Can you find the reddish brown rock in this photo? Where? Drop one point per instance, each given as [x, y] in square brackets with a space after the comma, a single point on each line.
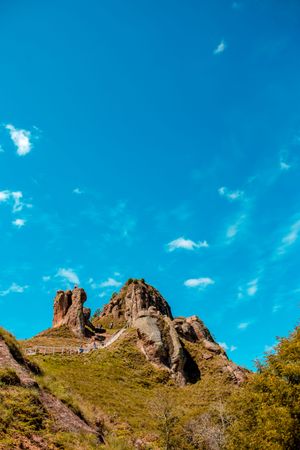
[163, 339]
[68, 310]
[134, 298]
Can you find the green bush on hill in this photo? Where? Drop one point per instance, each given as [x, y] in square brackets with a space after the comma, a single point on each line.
[265, 413]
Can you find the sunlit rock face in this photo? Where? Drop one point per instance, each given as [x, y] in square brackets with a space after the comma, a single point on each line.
[162, 338]
[69, 310]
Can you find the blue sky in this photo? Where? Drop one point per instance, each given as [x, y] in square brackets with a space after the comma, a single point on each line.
[157, 140]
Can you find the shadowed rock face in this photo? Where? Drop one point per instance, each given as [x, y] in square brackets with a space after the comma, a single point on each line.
[161, 338]
[69, 310]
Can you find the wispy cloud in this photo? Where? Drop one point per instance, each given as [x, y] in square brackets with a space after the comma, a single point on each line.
[230, 195]
[226, 347]
[13, 288]
[276, 308]
[252, 287]
[78, 191]
[46, 278]
[199, 282]
[21, 138]
[289, 239]
[110, 282]
[68, 275]
[19, 223]
[15, 199]
[249, 290]
[186, 244]
[284, 165]
[221, 47]
[233, 229]
[243, 325]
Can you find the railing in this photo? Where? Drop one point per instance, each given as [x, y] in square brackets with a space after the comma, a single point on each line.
[44, 350]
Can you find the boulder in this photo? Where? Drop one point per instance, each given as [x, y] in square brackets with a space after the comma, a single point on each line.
[161, 345]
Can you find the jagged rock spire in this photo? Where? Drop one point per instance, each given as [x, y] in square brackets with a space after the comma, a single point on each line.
[69, 310]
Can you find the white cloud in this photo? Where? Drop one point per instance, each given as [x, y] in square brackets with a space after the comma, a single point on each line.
[243, 325]
[199, 282]
[233, 229]
[68, 274]
[226, 347]
[15, 199]
[15, 288]
[1, 149]
[4, 196]
[186, 244]
[223, 345]
[290, 238]
[252, 287]
[220, 48]
[284, 165]
[249, 290]
[19, 223]
[276, 308]
[110, 282]
[46, 278]
[21, 139]
[230, 195]
[17, 202]
[77, 191]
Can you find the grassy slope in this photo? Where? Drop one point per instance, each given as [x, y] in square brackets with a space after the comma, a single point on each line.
[56, 337]
[119, 385]
[24, 423]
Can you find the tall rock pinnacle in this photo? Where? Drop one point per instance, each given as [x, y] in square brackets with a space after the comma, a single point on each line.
[69, 310]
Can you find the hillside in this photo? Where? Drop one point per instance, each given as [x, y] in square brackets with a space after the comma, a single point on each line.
[124, 386]
[136, 378]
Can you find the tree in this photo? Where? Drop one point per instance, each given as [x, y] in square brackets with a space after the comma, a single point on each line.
[266, 411]
[164, 411]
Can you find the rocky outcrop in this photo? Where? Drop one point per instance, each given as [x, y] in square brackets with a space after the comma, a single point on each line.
[135, 298]
[162, 338]
[192, 329]
[69, 310]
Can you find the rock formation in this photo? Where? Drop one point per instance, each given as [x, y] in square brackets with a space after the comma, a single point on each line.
[162, 338]
[69, 311]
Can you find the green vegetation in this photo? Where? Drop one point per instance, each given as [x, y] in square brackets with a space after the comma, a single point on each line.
[8, 377]
[265, 413]
[16, 351]
[119, 388]
[54, 337]
[134, 403]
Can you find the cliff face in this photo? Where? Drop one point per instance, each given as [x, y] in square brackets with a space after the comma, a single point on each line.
[163, 340]
[161, 337]
[69, 311]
